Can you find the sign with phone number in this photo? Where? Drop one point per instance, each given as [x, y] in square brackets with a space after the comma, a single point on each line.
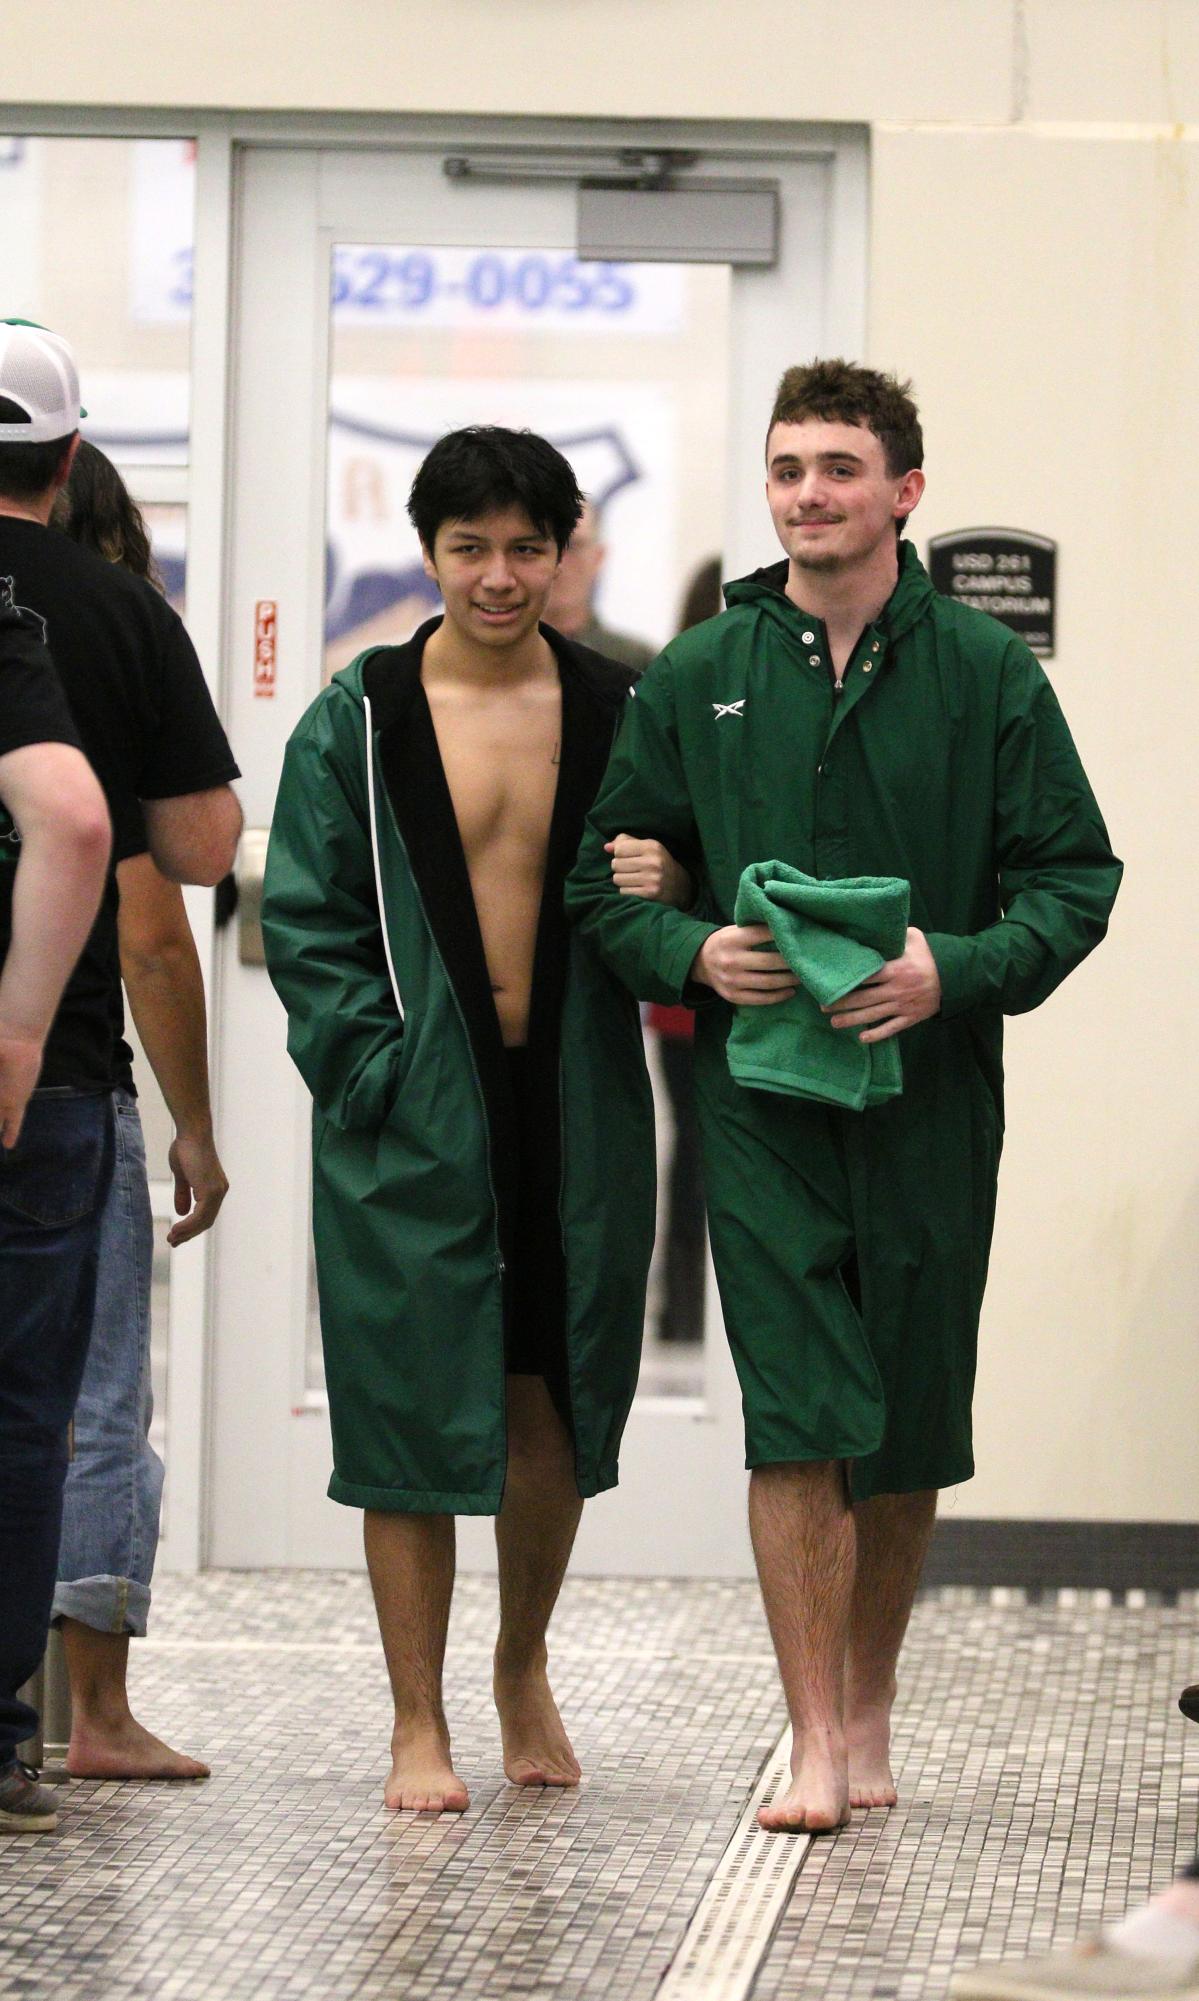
[407, 285]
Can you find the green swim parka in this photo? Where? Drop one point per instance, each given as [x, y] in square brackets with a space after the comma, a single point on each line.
[944, 760]
[373, 946]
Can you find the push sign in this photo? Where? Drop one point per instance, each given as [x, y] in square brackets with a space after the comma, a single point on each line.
[1005, 572]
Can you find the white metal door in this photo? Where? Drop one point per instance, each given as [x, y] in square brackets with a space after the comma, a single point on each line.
[304, 217]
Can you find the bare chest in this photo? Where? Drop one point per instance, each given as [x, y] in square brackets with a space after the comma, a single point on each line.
[500, 759]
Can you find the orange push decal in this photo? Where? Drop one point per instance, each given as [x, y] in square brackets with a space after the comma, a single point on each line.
[265, 633]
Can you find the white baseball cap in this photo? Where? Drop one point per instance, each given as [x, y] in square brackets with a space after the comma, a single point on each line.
[39, 385]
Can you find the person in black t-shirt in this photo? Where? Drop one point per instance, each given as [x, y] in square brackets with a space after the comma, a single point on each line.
[112, 1499]
[54, 1167]
[53, 820]
[130, 673]
[135, 689]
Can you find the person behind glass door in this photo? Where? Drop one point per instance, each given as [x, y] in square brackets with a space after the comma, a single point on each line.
[570, 608]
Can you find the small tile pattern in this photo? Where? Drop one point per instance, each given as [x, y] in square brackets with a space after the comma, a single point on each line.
[1047, 1781]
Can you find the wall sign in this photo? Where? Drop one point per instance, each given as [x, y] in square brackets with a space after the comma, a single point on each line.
[1004, 571]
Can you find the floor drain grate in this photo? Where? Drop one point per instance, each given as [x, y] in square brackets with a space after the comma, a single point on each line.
[735, 1919]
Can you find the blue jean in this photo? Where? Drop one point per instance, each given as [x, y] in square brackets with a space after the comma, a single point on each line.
[114, 1482]
[53, 1186]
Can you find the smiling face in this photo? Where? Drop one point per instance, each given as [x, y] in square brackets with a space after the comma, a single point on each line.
[833, 501]
[494, 575]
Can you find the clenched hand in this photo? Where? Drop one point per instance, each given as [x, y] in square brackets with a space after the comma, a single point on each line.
[740, 963]
[646, 868]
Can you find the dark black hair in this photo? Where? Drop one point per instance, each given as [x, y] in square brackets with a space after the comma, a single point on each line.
[485, 468]
[27, 470]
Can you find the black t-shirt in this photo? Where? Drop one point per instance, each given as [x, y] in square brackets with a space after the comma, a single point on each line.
[33, 710]
[147, 724]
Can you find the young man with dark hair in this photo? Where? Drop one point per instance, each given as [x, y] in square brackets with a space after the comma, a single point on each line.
[482, 1122]
[842, 721]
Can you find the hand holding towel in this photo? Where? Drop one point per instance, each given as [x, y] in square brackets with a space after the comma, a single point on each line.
[833, 936]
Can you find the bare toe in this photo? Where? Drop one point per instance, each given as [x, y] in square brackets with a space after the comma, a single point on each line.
[422, 1779]
[537, 1750]
[817, 1799]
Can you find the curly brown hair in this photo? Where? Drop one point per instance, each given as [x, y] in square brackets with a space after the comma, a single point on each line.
[842, 392]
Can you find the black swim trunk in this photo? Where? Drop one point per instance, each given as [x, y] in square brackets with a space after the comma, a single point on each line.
[531, 1231]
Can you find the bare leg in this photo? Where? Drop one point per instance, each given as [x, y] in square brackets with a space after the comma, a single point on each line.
[411, 1562]
[893, 1537]
[803, 1535]
[534, 1534]
[107, 1741]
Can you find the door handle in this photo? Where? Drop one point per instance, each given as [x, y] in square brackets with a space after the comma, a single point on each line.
[248, 872]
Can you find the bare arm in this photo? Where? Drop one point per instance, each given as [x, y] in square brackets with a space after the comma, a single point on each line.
[161, 971]
[55, 800]
[194, 838]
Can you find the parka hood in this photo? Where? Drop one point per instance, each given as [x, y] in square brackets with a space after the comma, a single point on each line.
[906, 605]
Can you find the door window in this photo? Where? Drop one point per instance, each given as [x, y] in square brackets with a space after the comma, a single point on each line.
[624, 368]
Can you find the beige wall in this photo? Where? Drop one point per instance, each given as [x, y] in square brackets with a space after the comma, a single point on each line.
[1043, 289]
[955, 61]
[620, 58]
[1034, 265]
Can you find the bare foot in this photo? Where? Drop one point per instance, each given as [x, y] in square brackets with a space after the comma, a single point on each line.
[817, 1800]
[126, 1750]
[423, 1779]
[537, 1750]
[868, 1735]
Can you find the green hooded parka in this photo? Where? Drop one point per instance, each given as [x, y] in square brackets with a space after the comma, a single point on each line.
[851, 1246]
[373, 945]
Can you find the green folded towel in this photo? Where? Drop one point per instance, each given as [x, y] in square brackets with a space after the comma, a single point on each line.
[833, 936]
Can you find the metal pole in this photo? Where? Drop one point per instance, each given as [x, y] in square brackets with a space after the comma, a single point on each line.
[56, 1703]
[49, 1692]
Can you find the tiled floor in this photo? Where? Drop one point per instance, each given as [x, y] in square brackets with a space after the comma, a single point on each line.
[1047, 1781]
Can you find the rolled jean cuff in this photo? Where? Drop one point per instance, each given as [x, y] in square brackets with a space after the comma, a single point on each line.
[107, 1604]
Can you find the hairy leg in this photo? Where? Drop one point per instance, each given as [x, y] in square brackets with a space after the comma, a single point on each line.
[893, 1535]
[803, 1536]
[534, 1534]
[411, 1564]
[107, 1741]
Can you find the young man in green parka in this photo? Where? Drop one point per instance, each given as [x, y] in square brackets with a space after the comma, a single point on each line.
[842, 718]
[483, 1163]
